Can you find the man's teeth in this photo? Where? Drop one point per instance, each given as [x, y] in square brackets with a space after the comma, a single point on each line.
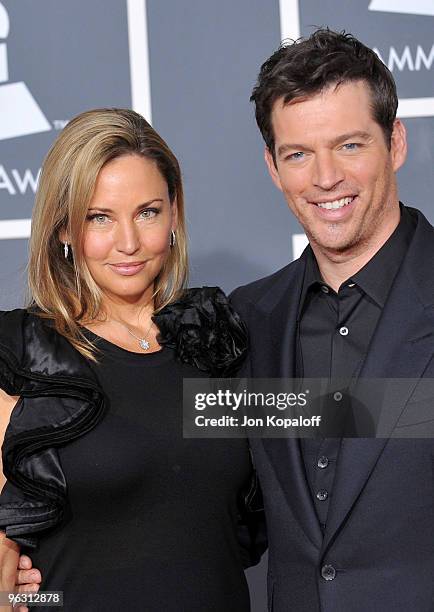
[335, 204]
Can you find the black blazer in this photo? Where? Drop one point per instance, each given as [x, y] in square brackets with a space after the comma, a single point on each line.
[377, 553]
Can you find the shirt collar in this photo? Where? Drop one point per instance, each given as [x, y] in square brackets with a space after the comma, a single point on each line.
[312, 275]
[376, 277]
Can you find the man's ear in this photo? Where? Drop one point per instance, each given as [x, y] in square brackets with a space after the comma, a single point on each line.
[398, 144]
[272, 168]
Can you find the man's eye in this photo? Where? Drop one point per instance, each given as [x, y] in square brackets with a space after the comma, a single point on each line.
[296, 156]
[351, 146]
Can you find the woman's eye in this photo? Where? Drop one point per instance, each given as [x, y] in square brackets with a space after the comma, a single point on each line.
[148, 213]
[98, 219]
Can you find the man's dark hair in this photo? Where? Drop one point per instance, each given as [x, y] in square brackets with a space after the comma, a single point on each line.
[306, 67]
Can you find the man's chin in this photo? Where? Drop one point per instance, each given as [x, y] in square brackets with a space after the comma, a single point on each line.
[336, 246]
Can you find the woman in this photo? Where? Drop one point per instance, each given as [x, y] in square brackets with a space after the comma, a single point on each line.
[124, 512]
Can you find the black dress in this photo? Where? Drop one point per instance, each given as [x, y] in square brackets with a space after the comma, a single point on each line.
[131, 515]
[152, 516]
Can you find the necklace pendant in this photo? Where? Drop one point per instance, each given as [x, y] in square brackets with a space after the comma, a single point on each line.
[144, 344]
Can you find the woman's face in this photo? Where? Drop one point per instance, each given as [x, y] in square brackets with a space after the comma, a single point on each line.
[127, 231]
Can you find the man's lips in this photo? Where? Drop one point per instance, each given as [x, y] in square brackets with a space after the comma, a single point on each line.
[127, 268]
[333, 203]
[335, 209]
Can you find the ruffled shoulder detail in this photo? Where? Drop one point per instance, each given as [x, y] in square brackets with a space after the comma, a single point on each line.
[205, 331]
[60, 400]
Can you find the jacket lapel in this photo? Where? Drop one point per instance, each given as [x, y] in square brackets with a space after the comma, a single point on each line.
[273, 347]
[285, 457]
[402, 347]
[273, 332]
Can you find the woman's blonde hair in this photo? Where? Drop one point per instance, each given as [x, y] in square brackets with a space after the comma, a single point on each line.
[60, 288]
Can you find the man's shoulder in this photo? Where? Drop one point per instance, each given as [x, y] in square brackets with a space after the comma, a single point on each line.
[421, 249]
[423, 224]
[417, 266]
[254, 291]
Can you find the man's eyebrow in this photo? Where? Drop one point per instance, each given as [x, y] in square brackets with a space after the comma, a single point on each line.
[139, 207]
[350, 136]
[294, 146]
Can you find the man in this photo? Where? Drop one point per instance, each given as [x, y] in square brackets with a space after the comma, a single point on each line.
[350, 521]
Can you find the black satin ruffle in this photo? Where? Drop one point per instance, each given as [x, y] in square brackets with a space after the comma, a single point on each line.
[60, 400]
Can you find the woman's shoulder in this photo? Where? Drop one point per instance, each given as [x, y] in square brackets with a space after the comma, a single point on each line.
[12, 324]
[204, 330]
[32, 349]
[16, 326]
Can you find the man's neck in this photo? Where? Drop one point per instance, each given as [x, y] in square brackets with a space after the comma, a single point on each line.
[336, 268]
[334, 273]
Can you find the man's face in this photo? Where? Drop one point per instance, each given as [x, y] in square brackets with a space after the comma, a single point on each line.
[335, 169]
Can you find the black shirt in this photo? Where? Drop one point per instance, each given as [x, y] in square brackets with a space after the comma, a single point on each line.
[334, 333]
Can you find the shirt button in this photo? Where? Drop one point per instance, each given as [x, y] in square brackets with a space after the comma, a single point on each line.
[343, 331]
[325, 289]
[323, 462]
[328, 572]
[351, 284]
[337, 396]
[322, 495]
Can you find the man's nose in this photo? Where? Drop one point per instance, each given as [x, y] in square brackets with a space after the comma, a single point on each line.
[327, 171]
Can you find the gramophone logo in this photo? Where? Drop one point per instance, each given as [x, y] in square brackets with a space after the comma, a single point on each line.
[20, 114]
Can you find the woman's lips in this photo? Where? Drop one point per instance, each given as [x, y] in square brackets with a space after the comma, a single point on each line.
[127, 269]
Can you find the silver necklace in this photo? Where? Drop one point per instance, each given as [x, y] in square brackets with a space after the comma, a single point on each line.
[144, 344]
